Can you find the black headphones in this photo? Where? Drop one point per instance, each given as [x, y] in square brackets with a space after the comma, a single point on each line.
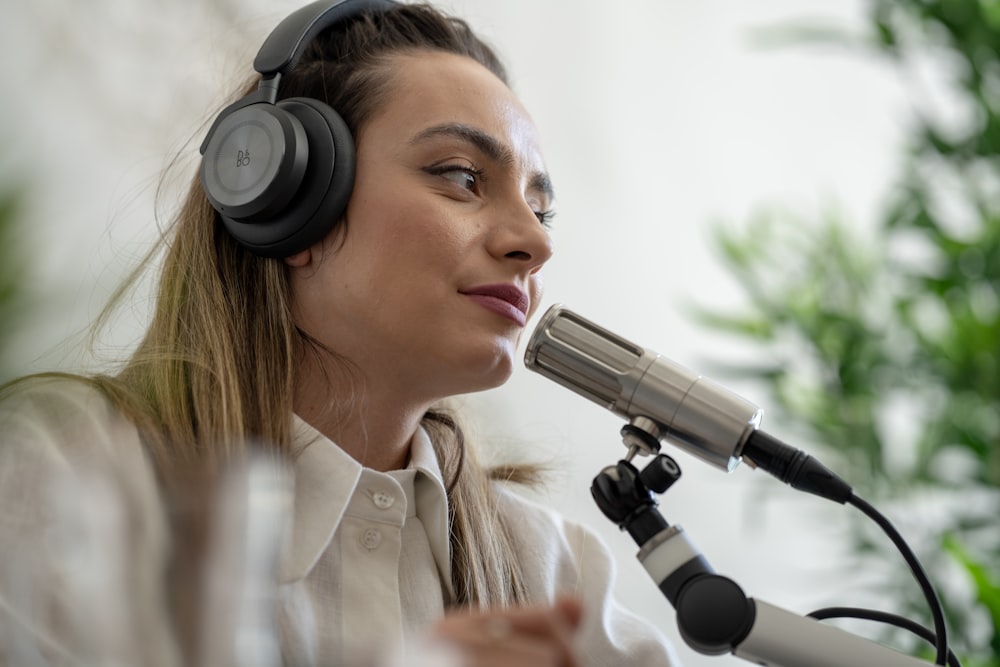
[280, 173]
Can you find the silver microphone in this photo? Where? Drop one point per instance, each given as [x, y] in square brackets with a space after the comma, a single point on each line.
[664, 398]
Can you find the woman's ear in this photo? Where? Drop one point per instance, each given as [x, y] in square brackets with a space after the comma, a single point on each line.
[299, 259]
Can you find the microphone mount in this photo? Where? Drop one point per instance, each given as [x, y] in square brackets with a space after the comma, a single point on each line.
[714, 615]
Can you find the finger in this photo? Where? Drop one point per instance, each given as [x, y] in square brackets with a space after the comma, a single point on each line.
[554, 625]
[561, 619]
[540, 634]
[521, 650]
[572, 610]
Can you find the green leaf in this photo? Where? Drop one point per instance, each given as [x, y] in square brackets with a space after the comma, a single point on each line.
[984, 582]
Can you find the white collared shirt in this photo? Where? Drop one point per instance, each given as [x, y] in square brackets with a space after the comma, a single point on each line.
[364, 573]
[368, 556]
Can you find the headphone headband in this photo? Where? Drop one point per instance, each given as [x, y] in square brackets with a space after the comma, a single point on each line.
[283, 47]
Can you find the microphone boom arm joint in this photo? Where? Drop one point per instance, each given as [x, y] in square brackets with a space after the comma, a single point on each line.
[714, 615]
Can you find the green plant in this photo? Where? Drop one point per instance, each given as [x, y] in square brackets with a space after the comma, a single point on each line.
[884, 345]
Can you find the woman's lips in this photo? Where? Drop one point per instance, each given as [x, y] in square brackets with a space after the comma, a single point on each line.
[506, 300]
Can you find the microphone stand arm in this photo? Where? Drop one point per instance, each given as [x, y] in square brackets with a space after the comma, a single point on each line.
[714, 616]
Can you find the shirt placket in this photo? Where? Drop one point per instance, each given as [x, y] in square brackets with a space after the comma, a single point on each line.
[371, 545]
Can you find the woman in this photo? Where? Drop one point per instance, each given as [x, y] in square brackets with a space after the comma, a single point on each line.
[336, 356]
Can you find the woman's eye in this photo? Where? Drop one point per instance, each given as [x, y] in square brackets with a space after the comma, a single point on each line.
[465, 177]
[545, 217]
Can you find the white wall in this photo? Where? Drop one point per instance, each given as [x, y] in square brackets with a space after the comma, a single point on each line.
[659, 118]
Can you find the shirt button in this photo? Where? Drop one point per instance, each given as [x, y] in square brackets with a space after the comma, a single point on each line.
[371, 538]
[383, 500]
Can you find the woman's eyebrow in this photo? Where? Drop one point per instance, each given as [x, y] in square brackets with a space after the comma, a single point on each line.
[488, 145]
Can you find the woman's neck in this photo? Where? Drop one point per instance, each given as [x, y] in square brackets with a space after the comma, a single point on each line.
[375, 428]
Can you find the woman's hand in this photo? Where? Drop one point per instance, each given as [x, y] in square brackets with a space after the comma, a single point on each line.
[522, 637]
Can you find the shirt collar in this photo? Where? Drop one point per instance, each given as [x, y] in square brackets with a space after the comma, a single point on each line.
[432, 503]
[325, 479]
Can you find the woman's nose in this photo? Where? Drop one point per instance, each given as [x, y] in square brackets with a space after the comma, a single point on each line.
[523, 238]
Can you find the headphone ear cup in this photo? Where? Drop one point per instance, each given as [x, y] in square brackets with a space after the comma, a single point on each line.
[317, 199]
[253, 161]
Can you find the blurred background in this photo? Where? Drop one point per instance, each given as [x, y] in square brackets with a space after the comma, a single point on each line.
[797, 198]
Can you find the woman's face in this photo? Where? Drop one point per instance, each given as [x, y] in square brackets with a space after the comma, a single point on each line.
[439, 269]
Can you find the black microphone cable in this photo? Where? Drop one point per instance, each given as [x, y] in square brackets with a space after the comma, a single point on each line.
[805, 473]
[884, 617]
[939, 636]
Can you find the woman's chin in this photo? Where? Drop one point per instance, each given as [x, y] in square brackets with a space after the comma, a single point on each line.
[492, 374]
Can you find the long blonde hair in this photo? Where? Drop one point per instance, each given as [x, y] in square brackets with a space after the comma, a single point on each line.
[214, 370]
